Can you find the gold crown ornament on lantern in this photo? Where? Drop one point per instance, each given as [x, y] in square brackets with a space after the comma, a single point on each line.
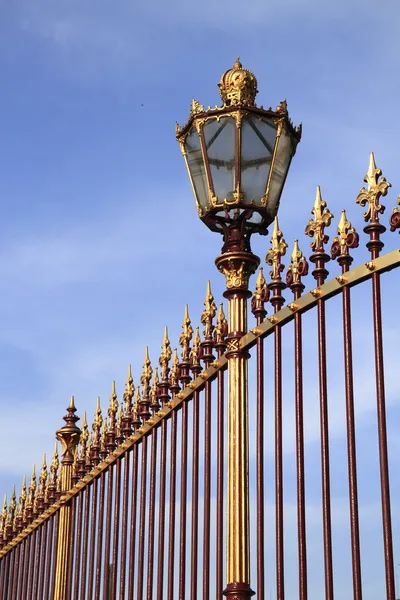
[238, 86]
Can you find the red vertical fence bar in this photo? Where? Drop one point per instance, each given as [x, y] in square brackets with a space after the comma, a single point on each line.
[276, 286]
[348, 238]
[298, 269]
[378, 187]
[316, 229]
[260, 296]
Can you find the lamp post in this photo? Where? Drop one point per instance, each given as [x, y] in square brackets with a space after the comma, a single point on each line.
[237, 156]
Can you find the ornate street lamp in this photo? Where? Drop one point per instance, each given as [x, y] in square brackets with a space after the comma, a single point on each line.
[238, 156]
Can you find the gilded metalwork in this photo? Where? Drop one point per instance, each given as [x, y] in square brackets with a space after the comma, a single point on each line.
[377, 187]
[97, 422]
[395, 217]
[155, 406]
[347, 238]
[129, 392]
[316, 227]
[221, 328]
[186, 336]
[43, 477]
[274, 254]
[165, 356]
[237, 268]
[196, 351]
[298, 267]
[238, 86]
[112, 407]
[208, 313]
[174, 374]
[147, 374]
[136, 422]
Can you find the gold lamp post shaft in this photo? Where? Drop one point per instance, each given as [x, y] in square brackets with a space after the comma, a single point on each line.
[237, 268]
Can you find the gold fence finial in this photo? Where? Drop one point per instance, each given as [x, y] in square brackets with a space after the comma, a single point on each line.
[129, 392]
[186, 335]
[146, 374]
[154, 405]
[347, 238]
[55, 463]
[298, 267]
[113, 407]
[174, 375]
[165, 355]
[395, 216]
[316, 226]
[136, 422]
[98, 417]
[274, 254]
[43, 475]
[221, 328]
[195, 354]
[377, 187]
[208, 313]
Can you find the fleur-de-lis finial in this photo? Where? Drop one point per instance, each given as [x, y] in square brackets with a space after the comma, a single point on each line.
[155, 406]
[316, 227]
[298, 267]
[165, 355]
[135, 410]
[13, 503]
[221, 328]
[274, 254]
[395, 217]
[88, 457]
[347, 238]
[55, 463]
[98, 421]
[113, 407]
[186, 335]
[208, 313]
[146, 374]
[4, 511]
[32, 487]
[174, 375]
[84, 436]
[260, 295]
[195, 354]
[129, 392]
[43, 475]
[377, 187]
[23, 495]
[103, 439]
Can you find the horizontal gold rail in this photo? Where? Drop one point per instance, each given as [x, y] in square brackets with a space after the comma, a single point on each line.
[333, 287]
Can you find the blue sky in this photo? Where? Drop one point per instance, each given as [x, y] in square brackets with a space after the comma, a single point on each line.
[100, 242]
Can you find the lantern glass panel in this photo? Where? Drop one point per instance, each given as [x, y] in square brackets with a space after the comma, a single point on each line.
[258, 141]
[280, 169]
[196, 167]
[219, 137]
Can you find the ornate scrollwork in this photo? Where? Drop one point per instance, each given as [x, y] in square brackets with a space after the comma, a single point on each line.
[274, 254]
[165, 356]
[221, 328]
[298, 267]
[316, 227]
[208, 313]
[377, 187]
[395, 217]
[347, 238]
[186, 335]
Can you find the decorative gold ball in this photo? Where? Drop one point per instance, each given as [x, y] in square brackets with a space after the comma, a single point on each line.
[238, 86]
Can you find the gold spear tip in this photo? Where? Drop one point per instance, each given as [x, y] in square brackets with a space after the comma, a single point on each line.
[113, 387]
[129, 371]
[98, 403]
[84, 422]
[33, 471]
[44, 460]
[186, 315]
[342, 222]
[5, 501]
[72, 402]
[318, 199]
[208, 288]
[24, 481]
[146, 353]
[295, 250]
[13, 492]
[260, 280]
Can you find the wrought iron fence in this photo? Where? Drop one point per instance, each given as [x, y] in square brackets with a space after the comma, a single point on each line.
[137, 507]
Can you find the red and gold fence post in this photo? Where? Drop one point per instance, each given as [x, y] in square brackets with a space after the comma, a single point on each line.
[69, 438]
[237, 265]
